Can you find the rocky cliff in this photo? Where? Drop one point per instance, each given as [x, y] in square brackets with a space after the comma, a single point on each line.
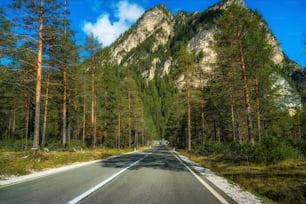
[151, 44]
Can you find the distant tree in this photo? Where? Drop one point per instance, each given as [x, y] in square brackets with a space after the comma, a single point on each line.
[92, 46]
[187, 65]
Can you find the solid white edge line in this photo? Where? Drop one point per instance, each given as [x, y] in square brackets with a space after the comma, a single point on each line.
[206, 185]
[103, 183]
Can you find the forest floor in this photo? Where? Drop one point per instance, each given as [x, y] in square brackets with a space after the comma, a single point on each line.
[283, 182]
[19, 163]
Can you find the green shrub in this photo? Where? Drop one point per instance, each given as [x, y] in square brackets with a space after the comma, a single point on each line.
[271, 151]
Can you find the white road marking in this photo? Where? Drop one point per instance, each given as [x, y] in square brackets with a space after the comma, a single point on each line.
[206, 185]
[103, 183]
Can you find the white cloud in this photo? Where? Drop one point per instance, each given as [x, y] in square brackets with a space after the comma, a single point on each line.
[107, 31]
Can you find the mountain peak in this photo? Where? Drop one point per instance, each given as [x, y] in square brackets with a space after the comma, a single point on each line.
[238, 2]
[223, 4]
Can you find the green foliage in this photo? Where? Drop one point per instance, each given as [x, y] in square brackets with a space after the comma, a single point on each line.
[271, 151]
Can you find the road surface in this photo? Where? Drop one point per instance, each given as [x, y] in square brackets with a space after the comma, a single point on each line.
[152, 176]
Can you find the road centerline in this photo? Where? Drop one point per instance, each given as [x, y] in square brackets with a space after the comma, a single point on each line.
[103, 183]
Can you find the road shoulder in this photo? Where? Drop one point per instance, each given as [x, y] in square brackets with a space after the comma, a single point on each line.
[231, 191]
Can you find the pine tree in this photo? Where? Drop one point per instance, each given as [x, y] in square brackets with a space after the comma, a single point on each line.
[92, 47]
[188, 65]
[34, 30]
[238, 42]
[7, 38]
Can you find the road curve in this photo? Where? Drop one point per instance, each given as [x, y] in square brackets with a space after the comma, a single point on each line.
[152, 176]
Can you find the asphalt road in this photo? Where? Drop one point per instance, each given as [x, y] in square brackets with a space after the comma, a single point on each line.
[152, 176]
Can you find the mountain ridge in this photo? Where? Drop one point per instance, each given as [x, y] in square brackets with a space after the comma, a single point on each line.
[152, 41]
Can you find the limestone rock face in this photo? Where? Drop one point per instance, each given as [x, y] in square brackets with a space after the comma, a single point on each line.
[152, 43]
[157, 19]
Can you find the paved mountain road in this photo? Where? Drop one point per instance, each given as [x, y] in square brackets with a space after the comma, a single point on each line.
[151, 176]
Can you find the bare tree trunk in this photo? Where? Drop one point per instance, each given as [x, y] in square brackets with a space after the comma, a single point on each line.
[142, 137]
[247, 98]
[119, 130]
[233, 118]
[203, 122]
[27, 121]
[9, 132]
[188, 111]
[93, 108]
[129, 113]
[64, 137]
[233, 123]
[84, 113]
[38, 81]
[14, 121]
[43, 139]
[258, 110]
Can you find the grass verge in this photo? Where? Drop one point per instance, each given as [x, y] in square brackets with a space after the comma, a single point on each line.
[22, 163]
[283, 182]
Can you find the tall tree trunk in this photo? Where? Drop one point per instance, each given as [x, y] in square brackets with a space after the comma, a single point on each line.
[233, 118]
[142, 137]
[27, 119]
[258, 110]
[119, 130]
[93, 108]
[84, 113]
[38, 80]
[43, 139]
[233, 122]
[203, 122]
[188, 111]
[129, 113]
[9, 132]
[247, 98]
[64, 137]
[14, 121]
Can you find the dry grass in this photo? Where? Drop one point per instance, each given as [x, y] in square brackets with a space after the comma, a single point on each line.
[284, 182]
[21, 163]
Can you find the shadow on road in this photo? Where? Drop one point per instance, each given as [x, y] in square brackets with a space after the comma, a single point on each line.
[161, 158]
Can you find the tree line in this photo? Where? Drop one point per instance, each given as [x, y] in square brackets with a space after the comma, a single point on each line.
[52, 97]
[237, 102]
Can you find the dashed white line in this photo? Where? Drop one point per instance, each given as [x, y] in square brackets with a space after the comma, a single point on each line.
[103, 183]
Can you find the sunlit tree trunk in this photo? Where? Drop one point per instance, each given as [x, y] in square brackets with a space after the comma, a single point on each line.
[64, 137]
[93, 108]
[84, 113]
[258, 110]
[247, 98]
[119, 130]
[187, 80]
[43, 139]
[27, 119]
[129, 113]
[203, 122]
[38, 80]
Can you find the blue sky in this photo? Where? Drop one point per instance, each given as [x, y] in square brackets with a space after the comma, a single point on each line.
[286, 18]
[109, 18]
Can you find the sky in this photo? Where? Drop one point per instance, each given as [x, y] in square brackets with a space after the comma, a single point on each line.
[107, 19]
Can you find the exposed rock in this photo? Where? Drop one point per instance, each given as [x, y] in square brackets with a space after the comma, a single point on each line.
[288, 97]
[162, 28]
[152, 21]
[166, 68]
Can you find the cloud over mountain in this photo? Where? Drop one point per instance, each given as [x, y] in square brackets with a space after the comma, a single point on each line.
[106, 30]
